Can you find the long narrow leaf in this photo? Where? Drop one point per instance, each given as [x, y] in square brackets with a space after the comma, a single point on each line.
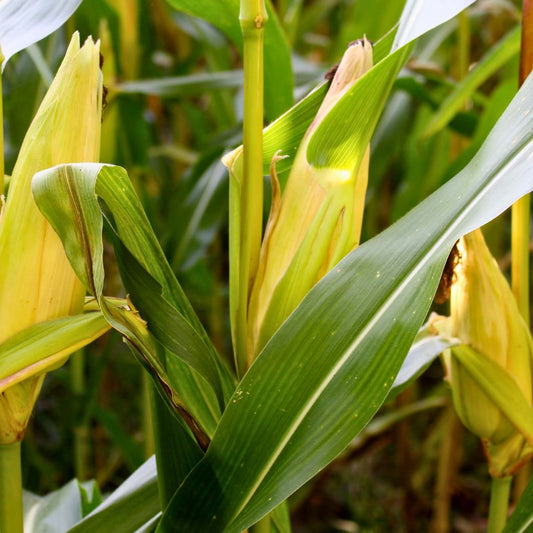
[425, 349]
[133, 504]
[58, 510]
[420, 16]
[521, 520]
[330, 366]
[497, 56]
[68, 195]
[24, 22]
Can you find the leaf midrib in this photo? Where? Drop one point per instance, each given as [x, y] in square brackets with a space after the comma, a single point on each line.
[479, 195]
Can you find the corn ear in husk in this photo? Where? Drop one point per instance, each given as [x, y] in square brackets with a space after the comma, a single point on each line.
[313, 224]
[37, 282]
[491, 383]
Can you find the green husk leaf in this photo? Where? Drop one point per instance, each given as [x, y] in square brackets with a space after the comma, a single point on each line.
[500, 387]
[341, 139]
[46, 346]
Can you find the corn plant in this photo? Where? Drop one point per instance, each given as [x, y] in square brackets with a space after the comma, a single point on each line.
[324, 329]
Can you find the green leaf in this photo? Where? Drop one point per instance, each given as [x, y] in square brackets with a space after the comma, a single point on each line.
[420, 16]
[497, 56]
[224, 15]
[198, 209]
[425, 349]
[192, 84]
[129, 507]
[342, 137]
[176, 351]
[500, 386]
[57, 511]
[281, 520]
[195, 84]
[24, 22]
[46, 346]
[130, 449]
[285, 133]
[176, 451]
[330, 366]
[521, 520]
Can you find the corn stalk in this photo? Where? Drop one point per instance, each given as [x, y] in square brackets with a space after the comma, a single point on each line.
[244, 261]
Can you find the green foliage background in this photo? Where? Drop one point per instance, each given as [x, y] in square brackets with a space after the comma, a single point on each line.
[174, 107]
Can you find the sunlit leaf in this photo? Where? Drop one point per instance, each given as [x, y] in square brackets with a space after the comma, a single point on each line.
[330, 366]
[129, 507]
[420, 16]
[24, 22]
[59, 510]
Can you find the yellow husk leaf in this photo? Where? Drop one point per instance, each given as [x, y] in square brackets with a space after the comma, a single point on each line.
[36, 280]
[484, 314]
[316, 222]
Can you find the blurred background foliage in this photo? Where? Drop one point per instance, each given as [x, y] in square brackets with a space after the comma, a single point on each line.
[173, 108]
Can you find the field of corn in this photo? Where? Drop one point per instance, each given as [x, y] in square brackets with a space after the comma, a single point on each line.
[264, 266]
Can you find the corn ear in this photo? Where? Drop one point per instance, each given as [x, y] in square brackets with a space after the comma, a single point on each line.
[313, 224]
[485, 316]
[37, 282]
[16, 405]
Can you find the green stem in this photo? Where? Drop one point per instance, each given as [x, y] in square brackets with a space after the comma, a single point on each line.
[521, 209]
[520, 214]
[10, 489]
[252, 18]
[263, 526]
[499, 502]
[520, 254]
[81, 427]
[147, 419]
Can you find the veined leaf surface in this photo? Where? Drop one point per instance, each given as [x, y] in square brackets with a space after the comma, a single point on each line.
[176, 349]
[327, 370]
